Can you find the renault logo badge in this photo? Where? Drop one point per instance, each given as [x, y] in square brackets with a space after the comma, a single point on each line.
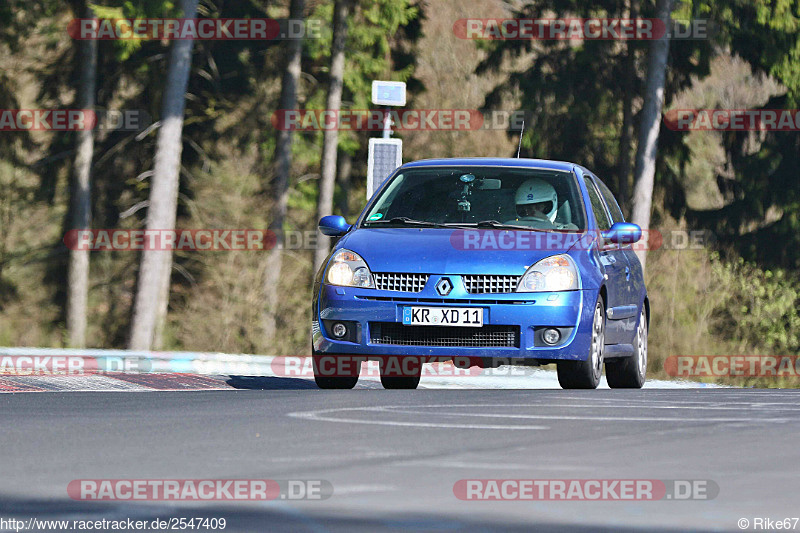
[444, 286]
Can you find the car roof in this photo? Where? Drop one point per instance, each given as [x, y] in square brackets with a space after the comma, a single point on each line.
[563, 166]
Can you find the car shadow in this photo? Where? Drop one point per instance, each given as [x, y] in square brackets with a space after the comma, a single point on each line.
[282, 383]
[269, 383]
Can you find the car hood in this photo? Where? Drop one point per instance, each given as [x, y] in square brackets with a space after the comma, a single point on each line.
[454, 251]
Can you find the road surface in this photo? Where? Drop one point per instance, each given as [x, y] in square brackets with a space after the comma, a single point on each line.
[394, 457]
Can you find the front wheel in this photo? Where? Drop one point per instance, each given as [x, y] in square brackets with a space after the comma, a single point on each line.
[630, 372]
[332, 372]
[586, 374]
[400, 372]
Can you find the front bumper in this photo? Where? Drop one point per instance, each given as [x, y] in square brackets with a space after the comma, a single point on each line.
[368, 308]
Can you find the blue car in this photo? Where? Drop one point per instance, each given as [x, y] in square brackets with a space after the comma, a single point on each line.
[488, 260]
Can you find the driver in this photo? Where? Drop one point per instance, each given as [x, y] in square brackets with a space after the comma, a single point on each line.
[537, 204]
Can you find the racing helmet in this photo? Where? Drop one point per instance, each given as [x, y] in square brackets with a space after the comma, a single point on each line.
[537, 191]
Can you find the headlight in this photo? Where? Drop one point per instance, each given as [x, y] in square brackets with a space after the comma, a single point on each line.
[347, 269]
[556, 273]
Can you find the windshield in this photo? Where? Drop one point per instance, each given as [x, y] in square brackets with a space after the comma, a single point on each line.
[515, 198]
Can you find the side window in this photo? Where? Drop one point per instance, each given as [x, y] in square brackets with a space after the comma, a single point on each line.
[598, 208]
[611, 202]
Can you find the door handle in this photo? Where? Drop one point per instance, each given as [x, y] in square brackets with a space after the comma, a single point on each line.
[627, 273]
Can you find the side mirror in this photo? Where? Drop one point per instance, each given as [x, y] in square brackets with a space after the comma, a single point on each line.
[333, 226]
[623, 233]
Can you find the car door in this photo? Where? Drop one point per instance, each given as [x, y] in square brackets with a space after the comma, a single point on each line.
[628, 315]
[617, 271]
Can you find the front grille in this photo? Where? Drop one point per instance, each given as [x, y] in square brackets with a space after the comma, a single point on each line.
[485, 284]
[446, 301]
[396, 281]
[487, 336]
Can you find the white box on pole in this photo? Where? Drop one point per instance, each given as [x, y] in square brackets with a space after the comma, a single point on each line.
[389, 93]
[385, 156]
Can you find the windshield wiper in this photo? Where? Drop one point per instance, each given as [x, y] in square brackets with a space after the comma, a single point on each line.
[493, 224]
[406, 221]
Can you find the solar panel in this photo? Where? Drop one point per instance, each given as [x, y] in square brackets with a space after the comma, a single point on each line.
[385, 155]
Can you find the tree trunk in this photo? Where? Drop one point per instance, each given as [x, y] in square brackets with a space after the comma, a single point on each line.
[330, 139]
[345, 167]
[626, 134]
[152, 291]
[647, 149]
[283, 164]
[78, 270]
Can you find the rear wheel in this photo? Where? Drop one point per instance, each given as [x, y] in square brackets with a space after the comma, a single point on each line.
[586, 374]
[400, 372]
[331, 372]
[630, 372]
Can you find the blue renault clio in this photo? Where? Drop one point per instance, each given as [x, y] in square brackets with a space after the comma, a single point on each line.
[485, 260]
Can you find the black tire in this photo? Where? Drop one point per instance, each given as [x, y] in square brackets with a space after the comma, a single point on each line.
[338, 381]
[586, 374]
[631, 372]
[400, 372]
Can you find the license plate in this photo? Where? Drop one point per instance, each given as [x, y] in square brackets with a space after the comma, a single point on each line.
[471, 317]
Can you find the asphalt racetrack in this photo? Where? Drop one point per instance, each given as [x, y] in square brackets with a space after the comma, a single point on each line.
[393, 458]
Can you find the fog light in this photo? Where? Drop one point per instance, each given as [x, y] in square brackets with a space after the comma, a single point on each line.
[551, 336]
[339, 330]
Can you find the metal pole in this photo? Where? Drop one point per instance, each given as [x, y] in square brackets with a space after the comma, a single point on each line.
[387, 123]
